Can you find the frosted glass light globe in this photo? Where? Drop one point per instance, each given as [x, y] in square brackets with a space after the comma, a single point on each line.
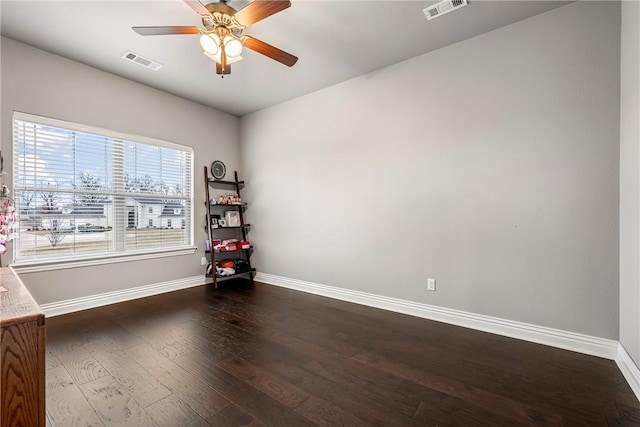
[232, 47]
[210, 43]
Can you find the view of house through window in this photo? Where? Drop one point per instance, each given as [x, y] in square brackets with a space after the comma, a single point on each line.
[85, 191]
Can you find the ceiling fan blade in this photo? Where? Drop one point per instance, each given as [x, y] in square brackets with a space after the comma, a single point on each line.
[270, 51]
[260, 9]
[163, 31]
[197, 6]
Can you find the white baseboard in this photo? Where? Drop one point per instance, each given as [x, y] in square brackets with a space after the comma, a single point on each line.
[586, 344]
[92, 301]
[629, 369]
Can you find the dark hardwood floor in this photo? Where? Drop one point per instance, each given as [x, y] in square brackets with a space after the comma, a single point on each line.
[262, 355]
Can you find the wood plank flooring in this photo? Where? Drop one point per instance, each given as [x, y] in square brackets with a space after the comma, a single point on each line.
[259, 355]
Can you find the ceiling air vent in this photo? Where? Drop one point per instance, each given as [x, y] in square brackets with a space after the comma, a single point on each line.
[141, 60]
[443, 7]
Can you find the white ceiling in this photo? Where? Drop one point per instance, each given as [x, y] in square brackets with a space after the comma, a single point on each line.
[334, 40]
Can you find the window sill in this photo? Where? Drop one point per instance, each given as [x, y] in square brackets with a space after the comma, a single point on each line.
[65, 263]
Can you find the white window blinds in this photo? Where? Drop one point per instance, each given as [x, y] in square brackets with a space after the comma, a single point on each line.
[88, 192]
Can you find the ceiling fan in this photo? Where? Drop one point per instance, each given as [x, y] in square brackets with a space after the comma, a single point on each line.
[222, 37]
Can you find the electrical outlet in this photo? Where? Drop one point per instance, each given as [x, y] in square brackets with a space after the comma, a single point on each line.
[431, 284]
[203, 261]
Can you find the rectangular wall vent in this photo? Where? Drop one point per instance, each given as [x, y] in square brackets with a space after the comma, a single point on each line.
[443, 7]
[141, 60]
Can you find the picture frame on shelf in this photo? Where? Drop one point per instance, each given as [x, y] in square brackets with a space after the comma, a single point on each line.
[215, 221]
[232, 218]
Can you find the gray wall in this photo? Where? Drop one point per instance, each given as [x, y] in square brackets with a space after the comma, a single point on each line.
[630, 180]
[491, 165]
[37, 82]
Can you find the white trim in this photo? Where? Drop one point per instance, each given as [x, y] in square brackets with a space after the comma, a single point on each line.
[64, 263]
[629, 369]
[539, 334]
[93, 301]
[47, 121]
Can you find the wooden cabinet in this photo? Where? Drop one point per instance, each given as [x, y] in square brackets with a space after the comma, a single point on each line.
[22, 355]
[237, 231]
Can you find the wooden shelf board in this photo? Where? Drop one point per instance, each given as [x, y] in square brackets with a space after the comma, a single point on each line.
[253, 270]
[223, 182]
[224, 252]
[231, 228]
[233, 205]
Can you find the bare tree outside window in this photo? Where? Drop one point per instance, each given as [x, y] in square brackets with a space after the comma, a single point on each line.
[57, 232]
[26, 199]
[90, 183]
[50, 212]
[51, 197]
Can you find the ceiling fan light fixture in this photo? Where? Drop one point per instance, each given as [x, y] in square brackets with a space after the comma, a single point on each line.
[218, 58]
[222, 39]
[210, 43]
[214, 57]
[232, 47]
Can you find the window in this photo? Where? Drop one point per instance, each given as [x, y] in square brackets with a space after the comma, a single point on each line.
[79, 191]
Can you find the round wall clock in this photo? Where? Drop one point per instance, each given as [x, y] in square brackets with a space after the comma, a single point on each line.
[218, 169]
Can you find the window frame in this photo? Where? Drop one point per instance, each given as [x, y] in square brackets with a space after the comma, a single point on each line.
[80, 260]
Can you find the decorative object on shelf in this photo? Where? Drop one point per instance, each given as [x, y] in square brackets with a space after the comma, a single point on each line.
[222, 223]
[226, 267]
[228, 199]
[241, 265]
[226, 271]
[218, 169]
[232, 218]
[227, 263]
[230, 245]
